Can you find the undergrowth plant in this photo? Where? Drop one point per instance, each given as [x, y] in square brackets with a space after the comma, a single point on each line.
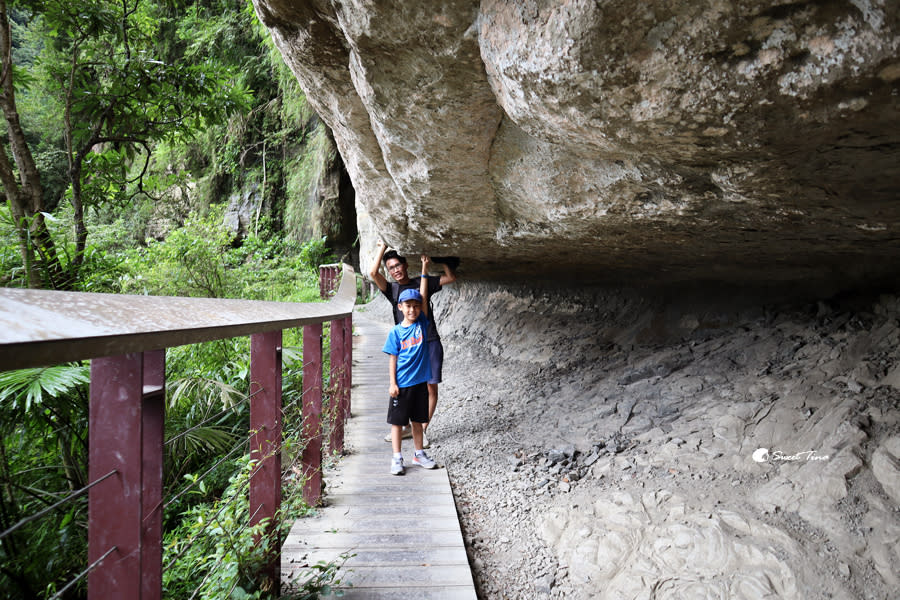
[215, 545]
[43, 460]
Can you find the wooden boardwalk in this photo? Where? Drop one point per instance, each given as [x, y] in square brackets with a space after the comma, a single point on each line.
[402, 530]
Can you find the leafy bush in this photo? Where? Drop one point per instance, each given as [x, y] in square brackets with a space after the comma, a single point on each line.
[43, 459]
[214, 545]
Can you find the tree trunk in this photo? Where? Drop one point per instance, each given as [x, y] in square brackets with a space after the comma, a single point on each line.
[78, 217]
[25, 194]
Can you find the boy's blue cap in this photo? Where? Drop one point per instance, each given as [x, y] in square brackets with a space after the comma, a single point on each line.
[410, 295]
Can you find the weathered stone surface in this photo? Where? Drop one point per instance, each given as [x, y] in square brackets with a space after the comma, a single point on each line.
[886, 467]
[739, 140]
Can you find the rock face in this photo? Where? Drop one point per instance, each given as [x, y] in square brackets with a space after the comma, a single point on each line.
[747, 140]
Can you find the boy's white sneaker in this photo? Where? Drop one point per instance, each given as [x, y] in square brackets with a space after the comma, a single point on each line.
[397, 466]
[424, 461]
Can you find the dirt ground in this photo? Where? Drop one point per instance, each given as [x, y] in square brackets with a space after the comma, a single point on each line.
[611, 444]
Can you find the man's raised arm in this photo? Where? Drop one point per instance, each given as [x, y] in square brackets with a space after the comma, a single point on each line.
[375, 272]
[449, 276]
[423, 284]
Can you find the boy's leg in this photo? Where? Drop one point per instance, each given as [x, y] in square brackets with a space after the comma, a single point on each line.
[397, 438]
[417, 435]
[407, 433]
[436, 360]
[419, 457]
[432, 402]
[418, 417]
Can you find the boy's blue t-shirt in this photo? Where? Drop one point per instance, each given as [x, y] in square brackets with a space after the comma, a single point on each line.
[409, 345]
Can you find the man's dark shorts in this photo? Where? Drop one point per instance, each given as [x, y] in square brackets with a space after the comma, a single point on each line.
[410, 405]
[436, 357]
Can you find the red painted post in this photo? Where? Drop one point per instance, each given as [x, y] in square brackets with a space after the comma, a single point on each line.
[312, 413]
[336, 387]
[153, 439]
[348, 364]
[265, 442]
[114, 505]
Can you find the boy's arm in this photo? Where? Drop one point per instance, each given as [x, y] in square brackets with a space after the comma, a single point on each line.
[375, 271]
[423, 284]
[394, 389]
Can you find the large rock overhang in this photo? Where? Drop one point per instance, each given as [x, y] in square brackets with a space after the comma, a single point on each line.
[741, 141]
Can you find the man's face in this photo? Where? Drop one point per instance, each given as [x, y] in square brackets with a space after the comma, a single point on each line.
[397, 269]
[411, 309]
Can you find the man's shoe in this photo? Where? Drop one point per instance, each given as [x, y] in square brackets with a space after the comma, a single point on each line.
[397, 466]
[423, 461]
[425, 442]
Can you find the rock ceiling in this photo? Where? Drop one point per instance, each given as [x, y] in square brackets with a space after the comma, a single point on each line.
[665, 140]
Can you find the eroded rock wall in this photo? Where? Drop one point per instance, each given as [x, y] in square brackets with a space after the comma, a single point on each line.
[750, 140]
[692, 448]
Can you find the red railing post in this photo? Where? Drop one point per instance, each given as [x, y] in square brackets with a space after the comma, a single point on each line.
[312, 413]
[153, 440]
[115, 504]
[336, 386]
[265, 442]
[348, 364]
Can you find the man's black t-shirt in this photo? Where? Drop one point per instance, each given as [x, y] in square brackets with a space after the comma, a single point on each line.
[394, 290]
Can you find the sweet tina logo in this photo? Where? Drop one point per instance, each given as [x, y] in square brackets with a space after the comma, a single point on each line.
[762, 455]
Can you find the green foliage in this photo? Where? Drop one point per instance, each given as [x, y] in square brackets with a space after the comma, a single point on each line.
[214, 545]
[188, 263]
[195, 103]
[12, 273]
[28, 387]
[200, 259]
[43, 458]
[302, 217]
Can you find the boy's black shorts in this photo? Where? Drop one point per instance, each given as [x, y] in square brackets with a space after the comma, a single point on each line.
[410, 405]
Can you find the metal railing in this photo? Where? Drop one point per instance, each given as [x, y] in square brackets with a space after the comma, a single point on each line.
[126, 339]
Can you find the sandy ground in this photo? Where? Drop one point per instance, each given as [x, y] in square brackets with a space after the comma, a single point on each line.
[616, 445]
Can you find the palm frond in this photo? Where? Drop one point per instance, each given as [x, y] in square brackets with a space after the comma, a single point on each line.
[195, 389]
[27, 387]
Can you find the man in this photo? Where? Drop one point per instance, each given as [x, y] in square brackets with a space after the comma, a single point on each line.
[397, 268]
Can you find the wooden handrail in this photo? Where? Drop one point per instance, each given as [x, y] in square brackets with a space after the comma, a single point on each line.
[126, 336]
[40, 327]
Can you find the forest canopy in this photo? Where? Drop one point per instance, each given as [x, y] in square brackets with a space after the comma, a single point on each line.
[153, 147]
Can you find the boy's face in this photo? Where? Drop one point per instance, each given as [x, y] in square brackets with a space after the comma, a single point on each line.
[397, 269]
[410, 310]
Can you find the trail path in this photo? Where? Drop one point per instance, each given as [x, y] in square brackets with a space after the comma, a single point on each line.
[402, 531]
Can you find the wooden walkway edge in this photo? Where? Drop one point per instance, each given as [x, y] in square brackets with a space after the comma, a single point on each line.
[402, 530]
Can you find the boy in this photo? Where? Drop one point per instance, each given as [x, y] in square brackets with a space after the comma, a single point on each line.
[410, 369]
